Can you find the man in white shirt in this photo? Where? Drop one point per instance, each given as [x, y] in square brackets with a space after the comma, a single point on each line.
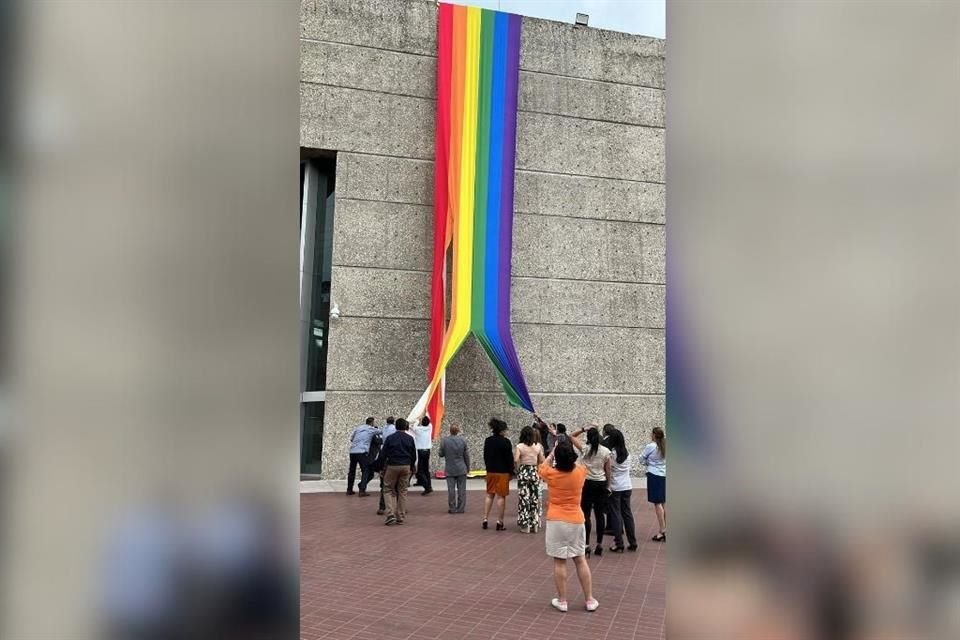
[423, 435]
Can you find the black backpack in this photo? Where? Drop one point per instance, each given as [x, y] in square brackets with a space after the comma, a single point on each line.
[376, 443]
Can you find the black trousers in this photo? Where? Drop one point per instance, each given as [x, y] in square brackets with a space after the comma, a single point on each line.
[423, 469]
[383, 503]
[622, 516]
[594, 499]
[363, 460]
[608, 529]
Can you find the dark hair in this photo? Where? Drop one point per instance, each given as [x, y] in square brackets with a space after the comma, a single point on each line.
[426, 421]
[661, 439]
[593, 439]
[618, 444]
[371, 420]
[608, 429]
[528, 436]
[402, 425]
[561, 428]
[497, 425]
[565, 456]
[391, 420]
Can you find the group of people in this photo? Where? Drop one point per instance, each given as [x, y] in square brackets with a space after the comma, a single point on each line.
[588, 483]
[582, 480]
[607, 490]
[397, 453]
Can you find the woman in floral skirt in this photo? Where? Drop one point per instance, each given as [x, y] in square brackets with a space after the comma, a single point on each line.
[527, 457]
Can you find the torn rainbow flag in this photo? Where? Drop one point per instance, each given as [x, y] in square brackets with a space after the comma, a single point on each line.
[478, 67]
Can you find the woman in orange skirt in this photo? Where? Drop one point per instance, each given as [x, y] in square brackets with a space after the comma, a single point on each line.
[498, 459]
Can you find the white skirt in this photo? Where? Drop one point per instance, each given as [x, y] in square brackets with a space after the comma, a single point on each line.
[565, 539]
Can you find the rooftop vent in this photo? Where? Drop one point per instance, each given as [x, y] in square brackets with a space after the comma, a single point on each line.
[582, 20]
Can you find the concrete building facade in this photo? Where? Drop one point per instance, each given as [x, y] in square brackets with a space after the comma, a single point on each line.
[588, 281]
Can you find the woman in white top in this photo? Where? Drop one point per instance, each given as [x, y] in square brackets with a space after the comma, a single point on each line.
[620, 513]
[596, 489]
[654, 456]
[527, 458]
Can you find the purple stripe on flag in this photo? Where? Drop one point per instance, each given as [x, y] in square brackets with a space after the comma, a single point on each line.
[506, 208]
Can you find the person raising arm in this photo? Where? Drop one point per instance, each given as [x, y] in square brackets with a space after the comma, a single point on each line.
[573, 438]
[596, 489]
[565, 533]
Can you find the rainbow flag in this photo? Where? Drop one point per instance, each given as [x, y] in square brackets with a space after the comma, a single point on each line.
[478, 68]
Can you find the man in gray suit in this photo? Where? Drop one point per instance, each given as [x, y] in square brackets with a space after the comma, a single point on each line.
[453, 449]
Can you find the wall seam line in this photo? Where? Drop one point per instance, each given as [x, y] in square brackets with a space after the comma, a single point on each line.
[514, 276]
[610, 394]
[512, 322]
[520, 169]
[522, 70]
[519, 110]
[517, 212]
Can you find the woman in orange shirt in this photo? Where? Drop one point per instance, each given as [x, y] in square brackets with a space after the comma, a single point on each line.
[566, 536]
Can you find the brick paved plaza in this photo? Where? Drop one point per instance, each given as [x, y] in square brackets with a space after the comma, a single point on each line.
[442, 576]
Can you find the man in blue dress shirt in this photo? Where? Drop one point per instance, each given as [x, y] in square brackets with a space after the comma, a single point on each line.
[360, 455]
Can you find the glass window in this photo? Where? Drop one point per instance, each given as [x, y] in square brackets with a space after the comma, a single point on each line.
[311, 443]
[317, 182]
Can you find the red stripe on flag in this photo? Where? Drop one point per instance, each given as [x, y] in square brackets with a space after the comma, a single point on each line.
[441, 213]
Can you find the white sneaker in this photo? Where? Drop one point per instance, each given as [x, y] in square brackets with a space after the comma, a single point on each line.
[592, 605]
[559, 605]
